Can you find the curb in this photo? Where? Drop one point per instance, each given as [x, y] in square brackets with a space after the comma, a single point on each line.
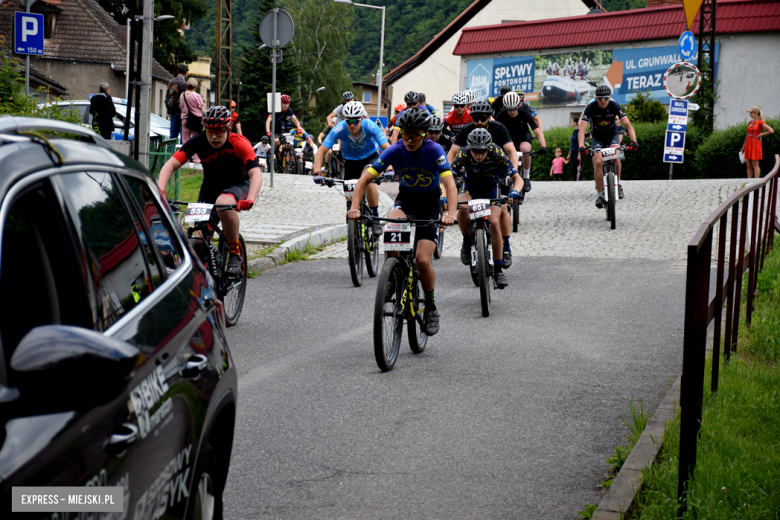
[620, 497]
[315, 238]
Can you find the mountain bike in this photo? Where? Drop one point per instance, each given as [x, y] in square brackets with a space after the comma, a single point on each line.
[609, 156]
[440, 244]
[231, 288]
[336, 166]
[287, 154]
[399, 292]
[482, 248]
[361, 242]
[514, 207]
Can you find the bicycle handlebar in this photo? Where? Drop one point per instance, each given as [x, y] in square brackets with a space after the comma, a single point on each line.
[217, 207]
[409, 220]
[502, 200]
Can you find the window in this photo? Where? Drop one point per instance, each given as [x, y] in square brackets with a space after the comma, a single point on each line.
[366, 97]
[48, 25]
[447, 108]
[110, 240]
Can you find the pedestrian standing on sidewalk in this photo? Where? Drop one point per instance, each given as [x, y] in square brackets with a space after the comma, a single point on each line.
[191, 106]
[574, 154]
[103, 110]
[752, 147]
[556, 170]
[176, 87]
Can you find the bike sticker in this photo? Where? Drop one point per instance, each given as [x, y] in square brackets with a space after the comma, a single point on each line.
[308, 165]
[473, 256]
[349, 186]
[198, 212]
[479, 208]
[399, 236]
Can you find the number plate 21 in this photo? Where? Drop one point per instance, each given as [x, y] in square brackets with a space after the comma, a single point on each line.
[399, 236]
[198, 212]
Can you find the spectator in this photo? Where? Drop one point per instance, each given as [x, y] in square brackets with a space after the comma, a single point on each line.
[556, 170]
[103, 110]
[176, 87]
[574, 147]
[236, 119]
[190, 105]
[752, 146]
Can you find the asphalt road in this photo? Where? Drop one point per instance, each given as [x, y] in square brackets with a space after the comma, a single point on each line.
[511, 416]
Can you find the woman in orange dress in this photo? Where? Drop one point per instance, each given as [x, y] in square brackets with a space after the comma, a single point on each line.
[752, 146]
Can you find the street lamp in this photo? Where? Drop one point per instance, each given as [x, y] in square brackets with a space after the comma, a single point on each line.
[381, 48]
[321, 88]
[238, 78]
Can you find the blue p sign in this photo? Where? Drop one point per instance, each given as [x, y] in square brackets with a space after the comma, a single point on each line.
[675, 140]
[28, 33]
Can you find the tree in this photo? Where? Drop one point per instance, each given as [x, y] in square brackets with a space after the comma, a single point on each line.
[170, 46]
[643, 108]
[321, 44]
[704, 118]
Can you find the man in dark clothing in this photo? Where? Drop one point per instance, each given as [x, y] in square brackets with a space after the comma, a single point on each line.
[176, 87]
[102, 109]
[574, 154]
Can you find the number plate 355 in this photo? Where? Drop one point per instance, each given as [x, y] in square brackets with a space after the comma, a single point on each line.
[399, 236]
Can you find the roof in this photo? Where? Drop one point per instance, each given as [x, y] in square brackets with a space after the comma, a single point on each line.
[364, 84]
[83, 33]
[456, 25]
[651, 23]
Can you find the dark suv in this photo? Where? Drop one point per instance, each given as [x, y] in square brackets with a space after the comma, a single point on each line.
[114, 367]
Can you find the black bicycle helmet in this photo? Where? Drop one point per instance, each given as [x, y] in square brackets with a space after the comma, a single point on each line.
[603, 90]
[421, 97]
[265, 139]
[411, 98]
[217, 117]
[481, 107]
[347, 96]
[479, 139]
[504, 89]
[435, 124]
[414, 118]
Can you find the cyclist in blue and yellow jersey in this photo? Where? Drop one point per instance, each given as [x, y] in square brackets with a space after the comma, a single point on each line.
[421, 166]
[421, 100]
[485, 168]
[359, 141]
[412, 100]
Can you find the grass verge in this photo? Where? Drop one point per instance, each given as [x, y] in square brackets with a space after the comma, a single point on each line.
[738, 457]
[189, 184]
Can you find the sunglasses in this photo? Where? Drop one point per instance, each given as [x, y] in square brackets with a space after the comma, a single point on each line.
[216, 131]
[603, 98]
[352, 121]
[459, 106]
[406, 136]
[479, 118]
[511, 109]
[431, 132]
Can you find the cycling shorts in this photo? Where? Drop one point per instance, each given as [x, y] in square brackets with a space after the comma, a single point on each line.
[604, 140]
[486, 191]
[524, 138]
[354, 169]
[423, 205]
[237, 191]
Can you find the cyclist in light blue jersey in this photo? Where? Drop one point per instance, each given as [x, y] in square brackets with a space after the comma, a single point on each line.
[360, 139]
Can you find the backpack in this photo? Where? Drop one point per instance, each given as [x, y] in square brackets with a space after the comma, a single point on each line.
[172, 96]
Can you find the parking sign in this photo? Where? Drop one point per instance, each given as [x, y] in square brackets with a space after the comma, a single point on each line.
[28, 33]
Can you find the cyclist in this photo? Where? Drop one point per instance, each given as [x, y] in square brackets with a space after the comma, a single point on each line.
[480, 115]
[283, 120]
[471, 98]
[604, 133]
[261, 150]
[412, 100]
[460, 116]
[236, 119]
[337, 115]
[359, 141]
[231, 173]
[421, 98]
[438, 134]
[485, 167]
[421, 166]
[524, 105]
[499, 102]
[517, 120]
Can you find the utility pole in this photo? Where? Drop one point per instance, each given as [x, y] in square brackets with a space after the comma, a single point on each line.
[224, 51]
[707, 53]
[142, 113]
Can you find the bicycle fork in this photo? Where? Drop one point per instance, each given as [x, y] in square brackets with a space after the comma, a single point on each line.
[408, 296]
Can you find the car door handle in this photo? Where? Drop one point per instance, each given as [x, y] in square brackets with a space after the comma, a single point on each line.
[122, 438]
[195, 365]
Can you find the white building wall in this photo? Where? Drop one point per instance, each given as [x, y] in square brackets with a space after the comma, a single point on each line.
[439, 76]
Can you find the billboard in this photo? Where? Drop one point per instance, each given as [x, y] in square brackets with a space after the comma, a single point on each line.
[570, 79]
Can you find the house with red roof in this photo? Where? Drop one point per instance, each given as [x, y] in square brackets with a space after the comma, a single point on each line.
[559, 62]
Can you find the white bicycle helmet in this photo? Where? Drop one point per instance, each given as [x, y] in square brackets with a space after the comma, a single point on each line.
[470, 96]
[459, 98]
[511, 100]
[353, 109]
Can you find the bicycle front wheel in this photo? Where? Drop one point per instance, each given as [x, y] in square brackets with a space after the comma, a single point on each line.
[515, 215]
[611, 201]
[233, 288]
[371, 251]
[354, 242]
[482, 272]
[414, 324]
[388, 314]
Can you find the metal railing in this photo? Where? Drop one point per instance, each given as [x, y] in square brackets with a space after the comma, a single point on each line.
[700, 311]
[158, 158]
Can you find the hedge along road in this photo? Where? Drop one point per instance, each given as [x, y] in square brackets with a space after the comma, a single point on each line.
[507, 416]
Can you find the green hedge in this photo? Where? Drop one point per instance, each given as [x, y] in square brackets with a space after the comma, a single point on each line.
[706, 157]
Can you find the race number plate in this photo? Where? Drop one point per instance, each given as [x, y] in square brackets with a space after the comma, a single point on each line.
[261, 161]
[299, 152]
[399, 236]
[198, 212]
[479, 208]
[349, 186]
[609, 154]
[309, 165]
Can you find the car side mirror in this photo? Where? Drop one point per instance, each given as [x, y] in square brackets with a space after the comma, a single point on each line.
[60, 368]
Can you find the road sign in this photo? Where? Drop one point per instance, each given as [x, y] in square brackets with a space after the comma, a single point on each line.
[686, 47]
[675, 158]
[693, 107]
[28, 33]
[676, 127]
[678, 111]
[691, 7]
[382, 119]
[675, 142]
[284, 28]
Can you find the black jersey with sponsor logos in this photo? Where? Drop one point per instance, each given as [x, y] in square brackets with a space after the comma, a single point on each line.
[497, 131]
[603, 119]
[517, 126]
[223, 167]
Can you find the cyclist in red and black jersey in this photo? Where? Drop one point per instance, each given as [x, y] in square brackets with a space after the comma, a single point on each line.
[460, 116]
[231, 173]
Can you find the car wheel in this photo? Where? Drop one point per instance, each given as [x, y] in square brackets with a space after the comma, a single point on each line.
[209, 485]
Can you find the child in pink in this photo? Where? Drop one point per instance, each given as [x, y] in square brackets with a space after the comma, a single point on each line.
[556, 171]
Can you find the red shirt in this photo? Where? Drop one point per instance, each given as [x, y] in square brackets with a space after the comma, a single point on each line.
[223, 167]
[458, 123]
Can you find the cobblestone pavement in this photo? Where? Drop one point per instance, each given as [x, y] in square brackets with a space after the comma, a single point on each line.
[294, 205]
[655, 221]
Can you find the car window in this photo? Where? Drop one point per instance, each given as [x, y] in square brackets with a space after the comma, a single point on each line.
[112, 242]
[158, 224]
